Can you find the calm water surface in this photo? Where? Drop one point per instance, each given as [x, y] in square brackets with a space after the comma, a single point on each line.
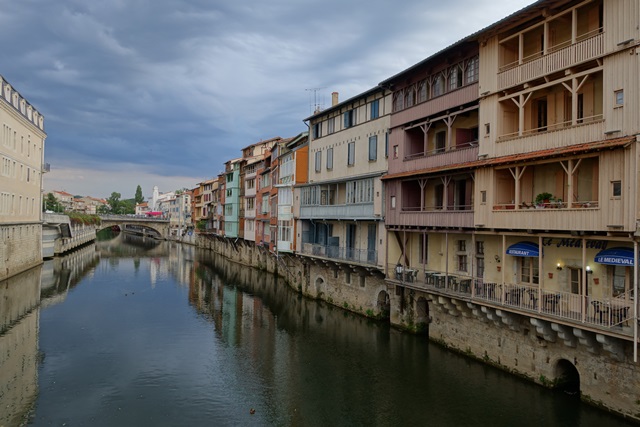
[143, 333]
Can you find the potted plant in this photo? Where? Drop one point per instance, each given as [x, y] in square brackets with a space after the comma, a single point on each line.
[543, 198]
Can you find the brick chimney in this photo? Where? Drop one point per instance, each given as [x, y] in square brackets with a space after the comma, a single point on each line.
[334, 99]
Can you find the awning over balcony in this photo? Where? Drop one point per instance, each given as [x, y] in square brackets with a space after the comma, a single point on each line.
[615, 256]
[524, 249]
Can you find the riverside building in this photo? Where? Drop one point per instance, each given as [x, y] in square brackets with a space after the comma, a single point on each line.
[22, 140]
[512, 208]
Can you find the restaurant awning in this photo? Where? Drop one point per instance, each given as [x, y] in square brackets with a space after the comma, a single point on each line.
[615, 256]
[524, 249]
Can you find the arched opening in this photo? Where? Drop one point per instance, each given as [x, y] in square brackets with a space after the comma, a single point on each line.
[319, 286]
[422, 315]
[384, 305]
[567, 378]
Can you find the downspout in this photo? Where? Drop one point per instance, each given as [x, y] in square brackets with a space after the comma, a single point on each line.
[635, 301]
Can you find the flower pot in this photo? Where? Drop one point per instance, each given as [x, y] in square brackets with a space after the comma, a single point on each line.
[596, 280]
[499, 268]
[550, 275]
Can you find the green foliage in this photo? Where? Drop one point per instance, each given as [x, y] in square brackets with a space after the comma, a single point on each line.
[540, 198]
[139, 198]
[201, 225]
[80, 218]
[114, 202]
[51, 203]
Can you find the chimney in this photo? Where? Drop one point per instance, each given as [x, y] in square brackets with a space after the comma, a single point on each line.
[334, 99]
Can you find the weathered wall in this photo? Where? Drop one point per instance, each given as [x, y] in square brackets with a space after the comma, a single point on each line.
[357, 290]
[20, 248]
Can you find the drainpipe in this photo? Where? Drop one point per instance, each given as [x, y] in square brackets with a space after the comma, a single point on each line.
[635, 301]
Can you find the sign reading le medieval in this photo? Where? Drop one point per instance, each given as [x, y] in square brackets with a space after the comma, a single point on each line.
[574, 243]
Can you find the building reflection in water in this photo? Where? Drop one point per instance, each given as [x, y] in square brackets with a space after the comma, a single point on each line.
[19, 314]
[21, 298]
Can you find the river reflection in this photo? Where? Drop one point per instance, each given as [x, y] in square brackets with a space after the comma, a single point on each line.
[135, 332]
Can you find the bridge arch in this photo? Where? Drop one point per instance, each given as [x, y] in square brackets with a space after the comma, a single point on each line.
[158, 228]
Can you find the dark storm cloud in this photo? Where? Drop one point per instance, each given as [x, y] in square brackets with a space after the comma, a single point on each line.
[178, 87]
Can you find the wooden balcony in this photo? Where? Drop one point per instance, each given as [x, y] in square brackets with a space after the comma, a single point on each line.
[420, 161]
[587, 217]
[518, 73]
[431, 218]
[449, 100]
[561, 135]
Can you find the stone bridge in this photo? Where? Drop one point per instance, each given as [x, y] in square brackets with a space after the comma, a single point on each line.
[144, 226]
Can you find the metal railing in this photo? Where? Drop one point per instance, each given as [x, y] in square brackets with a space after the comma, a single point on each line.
[609, 313]
[362, 256]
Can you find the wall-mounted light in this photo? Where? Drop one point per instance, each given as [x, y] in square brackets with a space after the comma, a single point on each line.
[589, 270]
[497, 258]
[558, 266]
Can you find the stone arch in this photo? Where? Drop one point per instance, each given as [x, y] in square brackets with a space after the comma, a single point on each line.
[566, 377]
[319, 286]
[384, 304]
[422, 310]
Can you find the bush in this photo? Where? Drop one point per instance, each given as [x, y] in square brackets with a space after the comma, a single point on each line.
[79, 218]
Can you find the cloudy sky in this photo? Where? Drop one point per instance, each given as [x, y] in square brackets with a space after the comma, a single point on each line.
[163, 92]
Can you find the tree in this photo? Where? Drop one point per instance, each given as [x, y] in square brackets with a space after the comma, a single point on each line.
[51, 203]
[114, 202]
[139, 198]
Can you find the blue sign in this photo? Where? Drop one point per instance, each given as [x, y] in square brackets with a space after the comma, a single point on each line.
[615, 256]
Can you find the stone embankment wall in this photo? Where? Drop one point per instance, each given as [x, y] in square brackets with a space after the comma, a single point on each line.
[20, 248]
[81, 235]
[359, 290]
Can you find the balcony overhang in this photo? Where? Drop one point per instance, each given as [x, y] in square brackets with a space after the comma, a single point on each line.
[516, 158]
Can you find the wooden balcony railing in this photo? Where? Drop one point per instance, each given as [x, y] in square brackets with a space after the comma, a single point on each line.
[539, 65]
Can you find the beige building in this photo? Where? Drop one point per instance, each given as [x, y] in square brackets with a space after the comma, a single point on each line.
[341, 210]
[22, 153]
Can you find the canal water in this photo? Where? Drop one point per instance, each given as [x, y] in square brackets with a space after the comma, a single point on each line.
[134, 332]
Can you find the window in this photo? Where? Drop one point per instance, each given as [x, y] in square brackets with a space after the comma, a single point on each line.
[441, 141]
[479, 248]
[619, 97]
[529, 270]
[422, 91]
[473, 67]
[317, 130]
[318, 161]
[462, 245]
[483, 196]
[395, 151]
[375, 109]
[455, 77]
[351, 154]
[438, 86]
[331, 125]
[393, 202]
[386, 144]
[409, 97]
[329, 158]
[251, 203]
[373, 148]
[251, 183]
[616, 188]
[349, 119]
[398, 102]
[462, 262]
[423, 248]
